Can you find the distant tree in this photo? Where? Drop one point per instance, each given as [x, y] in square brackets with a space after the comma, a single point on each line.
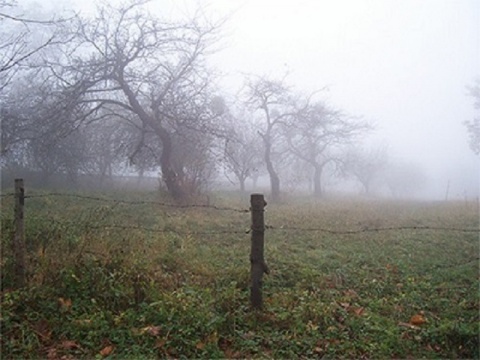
[36, 119]
[473, 127]
[272, 101]
[404, 180]
[241, 151]
[317, 135]
[365, 165]
[107, 147]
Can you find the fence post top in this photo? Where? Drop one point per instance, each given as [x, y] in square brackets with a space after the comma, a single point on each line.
[258, 200]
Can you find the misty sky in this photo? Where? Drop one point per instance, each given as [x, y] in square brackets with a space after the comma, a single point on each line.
[403, 65]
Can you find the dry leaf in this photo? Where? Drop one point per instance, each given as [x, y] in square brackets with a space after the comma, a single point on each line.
[150, 330]
[65, 304]
[160, 343]
[68, 345]
[357, 310]
[42, 329]
[154, 330]
[350, 293]
[52, 353]
[107, 350]
[392, 268]
[418, 319]
[231, 354]
[345, 305]
[200, 345]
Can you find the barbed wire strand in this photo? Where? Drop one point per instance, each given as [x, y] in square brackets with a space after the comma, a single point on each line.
[269, 227]
[390, 228]
[135, 202]
[156, 230]
[330, 231]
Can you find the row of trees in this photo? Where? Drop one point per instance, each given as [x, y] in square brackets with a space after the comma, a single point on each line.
[128, 90]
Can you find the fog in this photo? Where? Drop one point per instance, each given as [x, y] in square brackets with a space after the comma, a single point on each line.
[403, 66]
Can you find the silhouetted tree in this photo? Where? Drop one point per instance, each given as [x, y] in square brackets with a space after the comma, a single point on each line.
[317, 134]
[365, 165]
[24, 37]
[241, 151]
[272, 101]
[126, 60]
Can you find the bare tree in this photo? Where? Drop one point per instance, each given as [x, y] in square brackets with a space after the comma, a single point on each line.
[125, 60]
[405, 179]
[365, 165]
[22, 37]
[34, 110]
[272, 100]
[241, 152]
[317, 134]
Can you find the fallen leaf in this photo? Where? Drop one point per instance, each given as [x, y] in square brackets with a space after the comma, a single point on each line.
[68, 345]
[357, 310]
[418, 319]
[160, 343]
[200, 345]
[42, 329]
[345, 305]
[107, 350]
[350, 293]
[231, 354]
[151, 330]
[392, 268]
[52, 353]
[65, 304]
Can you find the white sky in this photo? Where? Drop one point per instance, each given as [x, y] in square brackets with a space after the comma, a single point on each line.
[403, 65]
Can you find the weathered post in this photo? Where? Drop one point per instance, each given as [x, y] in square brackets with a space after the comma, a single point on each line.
[257, 261]
[19, 236]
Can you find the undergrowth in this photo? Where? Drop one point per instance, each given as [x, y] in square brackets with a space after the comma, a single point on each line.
[118, 280]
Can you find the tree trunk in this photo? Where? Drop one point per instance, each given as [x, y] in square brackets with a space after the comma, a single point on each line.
[242, 185]
[170, 177]
[317, 181]
[168, 173]
[274, 179]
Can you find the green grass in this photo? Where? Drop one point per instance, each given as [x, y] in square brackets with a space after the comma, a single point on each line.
[145, 281]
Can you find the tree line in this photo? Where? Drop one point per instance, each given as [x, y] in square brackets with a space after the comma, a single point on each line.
[125, 89]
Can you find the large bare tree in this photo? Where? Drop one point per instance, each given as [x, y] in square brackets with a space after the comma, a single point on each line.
[127, 61]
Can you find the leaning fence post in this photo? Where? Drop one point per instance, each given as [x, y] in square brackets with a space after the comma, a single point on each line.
[19, 236]
[257, 261]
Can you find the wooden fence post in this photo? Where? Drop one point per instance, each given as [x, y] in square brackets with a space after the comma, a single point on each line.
[257, 261]
[19, 236]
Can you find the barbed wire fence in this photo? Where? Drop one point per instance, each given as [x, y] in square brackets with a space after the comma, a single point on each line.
[256, 230]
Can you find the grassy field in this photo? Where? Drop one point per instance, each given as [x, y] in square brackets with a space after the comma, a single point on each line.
[108, 279]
